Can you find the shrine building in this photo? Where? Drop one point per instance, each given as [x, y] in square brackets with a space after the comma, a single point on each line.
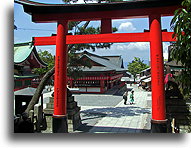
[105, 73]
[25, 59]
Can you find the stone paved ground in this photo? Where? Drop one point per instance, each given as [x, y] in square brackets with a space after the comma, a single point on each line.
[108, 114]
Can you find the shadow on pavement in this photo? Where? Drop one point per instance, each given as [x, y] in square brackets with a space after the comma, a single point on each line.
[118, 111]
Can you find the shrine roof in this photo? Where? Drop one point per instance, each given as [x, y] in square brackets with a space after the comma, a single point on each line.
[31, 7]
[174, 64]
[29, 91]
[97, 69]
[117, 60]
[24, 77]
[64, 8]
[22, 51]
[106, 64]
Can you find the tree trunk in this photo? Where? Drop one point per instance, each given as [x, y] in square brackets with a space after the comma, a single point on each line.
[39, 90]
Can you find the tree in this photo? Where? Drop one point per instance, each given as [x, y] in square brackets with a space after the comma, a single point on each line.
[181, 52]
[73, 71]
[48, 58]
[136, 66]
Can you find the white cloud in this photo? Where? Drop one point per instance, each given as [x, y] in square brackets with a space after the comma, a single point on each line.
[130, 50]
[139, 46]
[126, 27]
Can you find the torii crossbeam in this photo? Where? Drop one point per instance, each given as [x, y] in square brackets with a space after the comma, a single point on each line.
[104, 38]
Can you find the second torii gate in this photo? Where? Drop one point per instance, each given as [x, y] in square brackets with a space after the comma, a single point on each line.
[62, 14]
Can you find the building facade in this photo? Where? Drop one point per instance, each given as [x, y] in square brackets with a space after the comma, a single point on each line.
[105, 73]
[25, 59]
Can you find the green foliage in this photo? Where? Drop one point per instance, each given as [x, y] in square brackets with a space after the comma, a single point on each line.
[84, 29]
[136, 66]
[181, 24]
[48, 58]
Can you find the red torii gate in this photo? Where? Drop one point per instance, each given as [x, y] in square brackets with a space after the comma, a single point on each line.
[61, 14]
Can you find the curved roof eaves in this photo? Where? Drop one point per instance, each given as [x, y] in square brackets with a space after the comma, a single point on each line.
[21, 53]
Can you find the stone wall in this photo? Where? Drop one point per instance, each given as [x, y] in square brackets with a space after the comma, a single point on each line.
[180, 110]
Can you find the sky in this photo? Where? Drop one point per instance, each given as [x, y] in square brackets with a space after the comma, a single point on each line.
[27, 29]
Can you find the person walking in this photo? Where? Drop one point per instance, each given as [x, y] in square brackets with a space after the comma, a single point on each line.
[125, 95]
[132, 97]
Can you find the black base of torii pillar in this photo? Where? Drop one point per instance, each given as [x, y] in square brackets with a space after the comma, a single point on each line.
[158, 127]
[60, 124]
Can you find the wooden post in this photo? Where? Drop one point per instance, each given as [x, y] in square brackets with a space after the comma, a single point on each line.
[157, 75]
[106, 26]
[60, 90]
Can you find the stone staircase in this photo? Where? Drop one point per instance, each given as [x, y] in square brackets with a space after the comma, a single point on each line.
[180, 110]
[73, 111]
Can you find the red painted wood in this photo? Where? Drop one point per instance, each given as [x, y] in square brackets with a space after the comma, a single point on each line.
[157, 69]
[114, 14]
[106, 26]
[116, 76]
[60, 94]
[42, 41]
[103, 38]
[102, 86]
[167, 37]
[91, 78]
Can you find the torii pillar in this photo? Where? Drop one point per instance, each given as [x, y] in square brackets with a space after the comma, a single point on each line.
[158, 122]
[60, 124]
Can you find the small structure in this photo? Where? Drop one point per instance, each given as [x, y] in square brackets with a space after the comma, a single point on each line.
[145, 79]
[25, 59]
[105, 73]
[21, 100]
[23, 97]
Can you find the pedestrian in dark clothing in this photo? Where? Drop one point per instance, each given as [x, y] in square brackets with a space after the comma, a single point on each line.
[125, 97]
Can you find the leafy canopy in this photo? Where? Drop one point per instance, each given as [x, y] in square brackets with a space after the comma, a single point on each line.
[48, 58]
[181, 24]
[136, 66]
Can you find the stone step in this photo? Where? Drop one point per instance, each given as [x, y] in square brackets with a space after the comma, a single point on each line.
[51, 99]
[175, 102]
[178, 109]
[69, 99]
[70, 105]
[48, 111]
[182, 122]
[50, 105]
[70, 111]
